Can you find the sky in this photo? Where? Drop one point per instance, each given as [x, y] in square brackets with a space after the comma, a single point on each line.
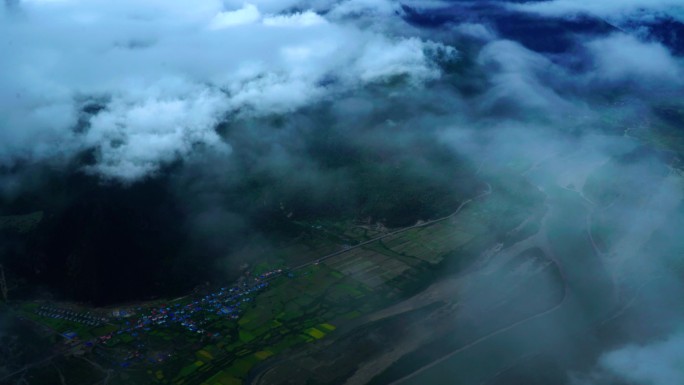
[230, 110]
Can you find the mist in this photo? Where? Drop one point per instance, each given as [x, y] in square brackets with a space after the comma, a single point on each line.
[171, 145]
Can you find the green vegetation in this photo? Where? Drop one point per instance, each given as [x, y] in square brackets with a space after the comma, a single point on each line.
[21, 223]
[309, 305]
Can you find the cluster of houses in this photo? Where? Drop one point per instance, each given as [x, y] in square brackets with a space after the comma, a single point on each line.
[84, 318]
[193, 316]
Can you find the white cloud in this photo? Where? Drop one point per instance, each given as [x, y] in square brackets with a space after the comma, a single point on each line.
[427, 4]
[266, 6]
[134, 137]
[658, 363]
[478, 31]
[602, 8]
[519, 76]
[159, 66]
[248, 14]
[348, 8]
[383, 59]
[622, 57]
[299, 19]
[274, 93]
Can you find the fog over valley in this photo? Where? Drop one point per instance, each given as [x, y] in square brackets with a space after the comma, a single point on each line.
[342, 192]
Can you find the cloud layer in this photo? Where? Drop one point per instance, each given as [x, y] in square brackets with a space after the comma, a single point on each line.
[602, 8]
[165, 73]
[217, 122]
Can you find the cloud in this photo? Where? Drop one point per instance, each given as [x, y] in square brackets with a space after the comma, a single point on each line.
[349, 8]
[657, 363]
[520, 77]
[427, 4]
[269, 6]
[299, 19]
[622, 57]
[134, 137]
[168, 71]
[602, 8]
[475, 30]
[248, 14]
[383, 59]
[304, 89]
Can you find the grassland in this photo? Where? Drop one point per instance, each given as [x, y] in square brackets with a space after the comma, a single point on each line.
[21, 223]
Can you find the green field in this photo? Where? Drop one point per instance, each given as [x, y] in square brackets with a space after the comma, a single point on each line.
[299, 309]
